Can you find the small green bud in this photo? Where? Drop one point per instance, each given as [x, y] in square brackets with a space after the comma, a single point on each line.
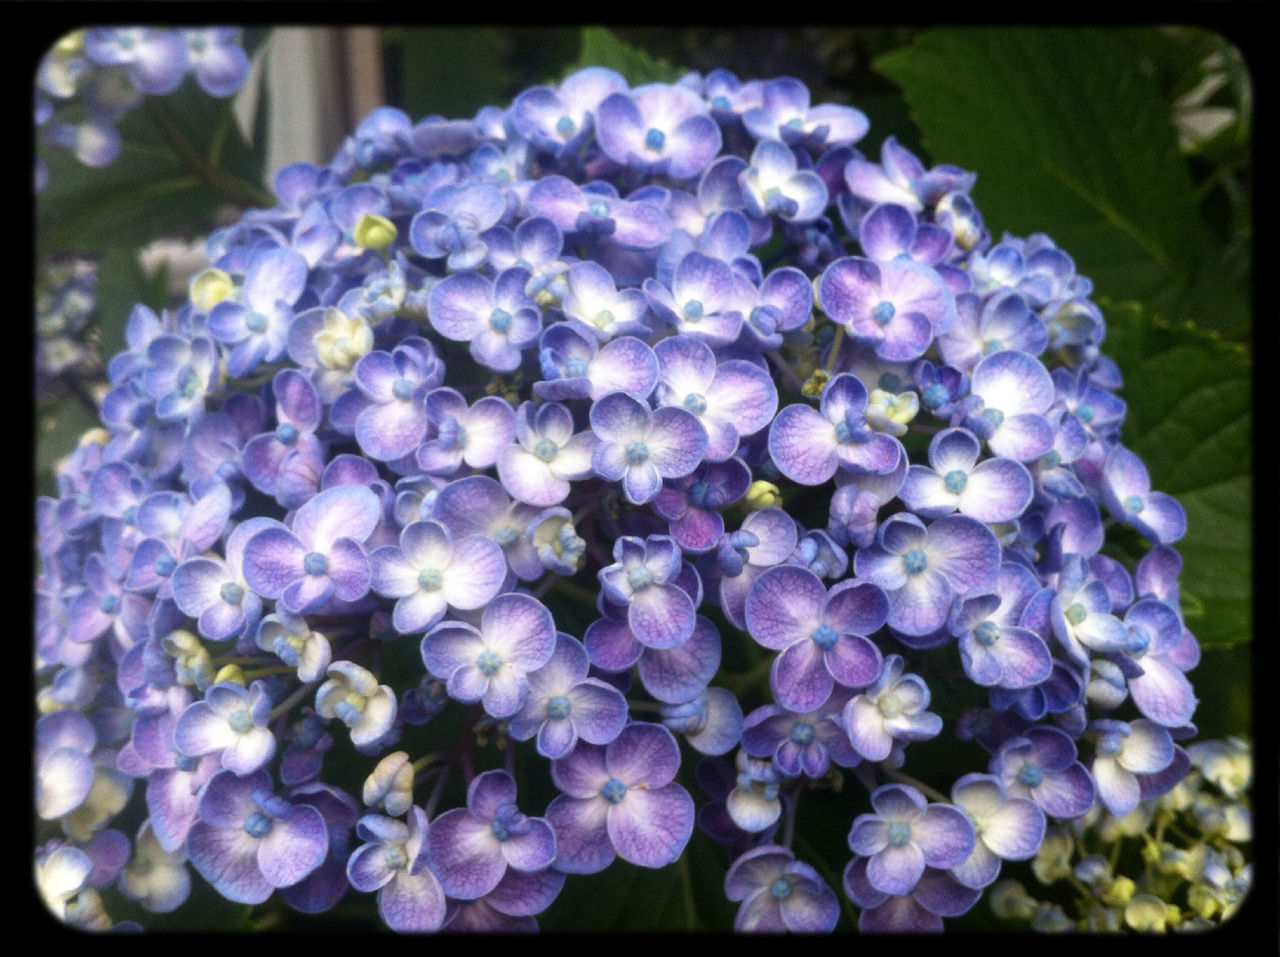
[814, 385]
[762, 494]
[210, 287]
[374, 232]
[1118, 892]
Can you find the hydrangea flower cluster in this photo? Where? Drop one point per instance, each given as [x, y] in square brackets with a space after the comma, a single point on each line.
[66, 297]
[93, 78]
[564, 406]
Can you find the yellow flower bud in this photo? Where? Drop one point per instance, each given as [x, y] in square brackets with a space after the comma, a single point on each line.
[374, 232]
[209, 287]
[814, 385]
[230, 673]
[762, 494]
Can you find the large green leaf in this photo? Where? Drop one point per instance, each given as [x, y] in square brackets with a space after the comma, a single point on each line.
[602, 48]
[1190, 419]
[181, 158]
[1070, 135]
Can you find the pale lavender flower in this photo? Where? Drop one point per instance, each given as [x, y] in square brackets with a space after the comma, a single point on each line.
[640, 447]
[906, 834]
[779, 894]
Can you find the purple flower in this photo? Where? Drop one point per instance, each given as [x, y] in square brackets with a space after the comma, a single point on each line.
[393, 863]
[891, 710]
[321, 556]
[906, 834]
[658, 129]
[896, 307]
[548, 455]
[821, 635]
[620, 799]
[248, 842]
[496, 317]
[784, 112]
[1007, 828]
[1126, 491]
[490, 663]
[1041, 765]
[779, 894]
[1125, 751]
[643, 580]
[808, 445]
[773, 186]
[640, 447]
[472, 848]
[231, 721]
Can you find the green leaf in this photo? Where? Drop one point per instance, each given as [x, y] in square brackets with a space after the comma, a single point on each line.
[602, 48]
[1190, 419]
[451, 71]
[181, 158]
[1070, 135]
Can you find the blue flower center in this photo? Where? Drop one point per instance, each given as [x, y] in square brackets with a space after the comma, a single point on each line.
[696, 403]
[430, 579]
[720, 103]
[640, 577]
[987, 633]
[1111, 743]
[190, 384]
[604, 319]
[1050, 459]
[546, 449]
[1031, 775]
[559, 707]
[1133, 504]
[899, 834]
[955, 481]
[506, 536]
[231, 593]
[197, 44]
[825, 637]
[655, 139]
[1076, 613]
[613, 791]
[575, 367]
[991, 345]
[313, 563]
[257, 824]
[286, 434]
[165, 564]
[499, 830]
[780, 889]
[599, 209]
[500, 320]
[488, 662]
[402, 389]
[883, 311]
[915, 561]
[239, 721]
[565, 126]
[935, 395]
[698, 493]
[185, 763]
[255, 322]
[795, 123]
[889, 381]
[802, 733]
[637, 453]
[394, 857]
[109, 604]
[693, 310]
[994, 416]
[1084, 412]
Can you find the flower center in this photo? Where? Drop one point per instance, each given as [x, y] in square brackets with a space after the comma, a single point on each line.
[500, 320]
[575, 367]
[255, 322]
[286, 434]
[890, 706]
[604, 319]
[640, 577]
[257, 824]
[696, 403]
[546, 449]
[613, 791]
[637, 453]
[499, 830]
[488, 662]
[1050, 459]
[598, 209]
[899, 834]
[882, 312]
[239, 721]
[825, 637]
[994, 416]
[429, 579]
[1031, 775]
[313, 563]
[165, 564]
[987, 633]
[1084, 412]
[655, 139]
[915, 561]
[693, 310]
[991, 345]
[394, 857]
[889, 382]
[559, 707]
[780, 889]
[935, 395]
[506, 536]
[1133, 504]
[565, 126]
[955, 481]
[402, 389]
[1076, 613]
[1111, 743]
[802, 733]
[109, 604]
[698, 493]
[231, 593]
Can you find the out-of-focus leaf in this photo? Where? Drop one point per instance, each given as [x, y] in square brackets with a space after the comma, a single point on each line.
[1190, 419]
[602, 48]
[455, 70]
[1067, 132]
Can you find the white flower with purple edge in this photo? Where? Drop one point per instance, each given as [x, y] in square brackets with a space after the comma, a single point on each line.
[640, 447]
[906, 834]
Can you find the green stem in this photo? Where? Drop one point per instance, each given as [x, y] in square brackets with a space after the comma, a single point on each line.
[836, 343]
[230, 188]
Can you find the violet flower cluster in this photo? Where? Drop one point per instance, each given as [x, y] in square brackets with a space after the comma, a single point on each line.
[521, 427]
[91, 79]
